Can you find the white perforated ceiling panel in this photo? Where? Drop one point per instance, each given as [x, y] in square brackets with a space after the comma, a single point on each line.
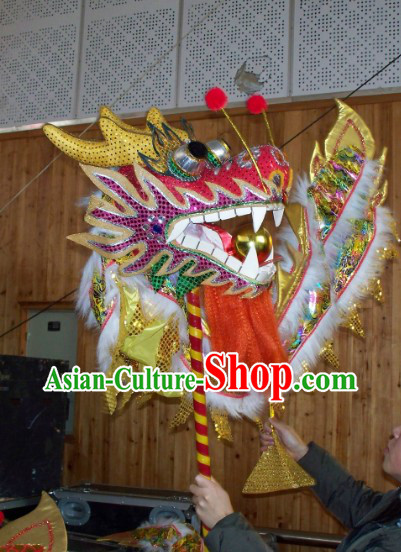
[121, 39]
[38, 54]
[19, 11]
[338, 44]
[99, 4]
[255, 31]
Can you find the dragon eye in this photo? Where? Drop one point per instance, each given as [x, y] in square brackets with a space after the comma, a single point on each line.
[218, 152]
[188, 161]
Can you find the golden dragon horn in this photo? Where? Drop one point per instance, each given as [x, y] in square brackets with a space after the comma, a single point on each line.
[123, 144]
[120, 147]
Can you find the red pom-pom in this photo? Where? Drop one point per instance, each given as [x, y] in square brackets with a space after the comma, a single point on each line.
[256, 104]
[216, 99]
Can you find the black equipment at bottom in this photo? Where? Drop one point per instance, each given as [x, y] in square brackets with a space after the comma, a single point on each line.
[32, 424]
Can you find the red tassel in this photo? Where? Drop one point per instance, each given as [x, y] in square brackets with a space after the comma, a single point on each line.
[256, 104]
[216, 99]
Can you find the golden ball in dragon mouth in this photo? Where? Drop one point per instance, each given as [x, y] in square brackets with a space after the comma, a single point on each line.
[261, 239]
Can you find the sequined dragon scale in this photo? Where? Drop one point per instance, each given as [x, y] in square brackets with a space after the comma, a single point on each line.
[167, 218]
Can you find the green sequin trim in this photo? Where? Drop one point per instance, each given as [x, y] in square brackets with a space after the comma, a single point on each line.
[177, 172]
[185, 284]
[213, 159]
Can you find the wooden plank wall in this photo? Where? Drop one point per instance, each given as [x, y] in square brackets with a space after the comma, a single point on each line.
[135, 448]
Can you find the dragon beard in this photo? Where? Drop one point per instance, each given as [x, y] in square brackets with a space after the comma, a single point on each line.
[255, 334]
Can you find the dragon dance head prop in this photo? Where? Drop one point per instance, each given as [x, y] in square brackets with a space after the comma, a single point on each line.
[165, 198]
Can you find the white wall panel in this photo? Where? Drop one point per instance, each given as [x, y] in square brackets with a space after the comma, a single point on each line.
[338, 44]
[38, 58]
[121, 39]
[61, 59]
[240, 30]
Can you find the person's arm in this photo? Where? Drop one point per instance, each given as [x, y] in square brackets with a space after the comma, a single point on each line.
[349, 500]
[235, 534]
[229, 531]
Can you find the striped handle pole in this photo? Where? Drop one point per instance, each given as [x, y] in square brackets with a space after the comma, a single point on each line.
[199, 398]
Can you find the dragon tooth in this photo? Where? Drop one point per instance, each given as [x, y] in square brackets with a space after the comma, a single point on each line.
[205, 247]
[234, 263]
[258, 216]
[278, 217]
[224, 215]
[268, 264]
[178, 229]
[220, 255]
[211, 217]
[243, 211]
[198, 219]
[250, 267]
[191, 242]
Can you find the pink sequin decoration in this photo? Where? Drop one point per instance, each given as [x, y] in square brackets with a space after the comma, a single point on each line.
[147, 228]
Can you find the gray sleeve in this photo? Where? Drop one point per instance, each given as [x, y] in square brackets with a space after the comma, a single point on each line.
[235, 534]
[349, 500]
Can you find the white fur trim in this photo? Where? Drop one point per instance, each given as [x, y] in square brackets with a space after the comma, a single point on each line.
[323, 261]
[249, 406]
[83, 304]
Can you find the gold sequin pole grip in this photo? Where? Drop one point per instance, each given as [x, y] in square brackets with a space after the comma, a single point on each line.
[199, 398]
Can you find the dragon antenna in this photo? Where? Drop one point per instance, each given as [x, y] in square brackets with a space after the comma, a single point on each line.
[216, 100]
[258, 104]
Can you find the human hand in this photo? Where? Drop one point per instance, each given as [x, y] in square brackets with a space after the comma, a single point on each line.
[212, 502]
[287, 435]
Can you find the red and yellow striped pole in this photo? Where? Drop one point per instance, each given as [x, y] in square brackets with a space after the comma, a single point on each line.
[199, 397]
